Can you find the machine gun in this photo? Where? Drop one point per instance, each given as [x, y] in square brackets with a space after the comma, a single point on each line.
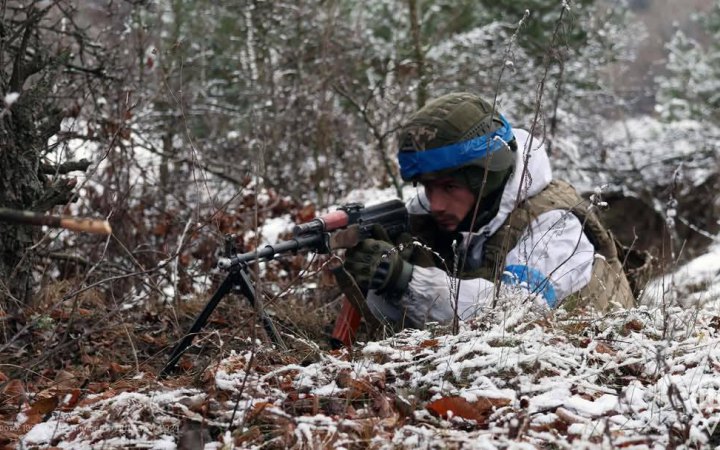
[343, 228]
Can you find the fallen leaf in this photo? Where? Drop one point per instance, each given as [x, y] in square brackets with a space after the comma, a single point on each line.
[117, 369]
[601, 347]
[185, 364]
[487, 404]
[455, 407]
[65, 379]
[305, 214]
[72, 400]
[358, 389]
[382, 406]
[257, 409]
[14, 392]
[44, 406]
[309, 405]
[633, 325]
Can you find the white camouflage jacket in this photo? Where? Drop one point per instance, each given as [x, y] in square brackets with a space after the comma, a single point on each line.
[553, 247]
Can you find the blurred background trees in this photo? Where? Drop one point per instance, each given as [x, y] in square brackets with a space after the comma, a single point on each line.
[200, 118]
[50, 67]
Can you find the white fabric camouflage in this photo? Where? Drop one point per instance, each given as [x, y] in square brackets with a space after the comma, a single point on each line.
[553, 247]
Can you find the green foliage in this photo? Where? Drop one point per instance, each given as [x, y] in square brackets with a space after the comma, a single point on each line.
[536, 37]
[303, 94]
[691, 89]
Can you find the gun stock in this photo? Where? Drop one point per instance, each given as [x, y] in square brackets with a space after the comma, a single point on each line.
[68, 222]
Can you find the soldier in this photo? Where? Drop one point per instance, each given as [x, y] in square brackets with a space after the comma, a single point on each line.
[491, 210]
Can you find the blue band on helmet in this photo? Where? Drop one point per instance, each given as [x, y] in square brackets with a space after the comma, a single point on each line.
[533, 280]
[417, 163]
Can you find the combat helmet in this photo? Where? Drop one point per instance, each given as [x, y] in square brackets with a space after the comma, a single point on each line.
[459, 135]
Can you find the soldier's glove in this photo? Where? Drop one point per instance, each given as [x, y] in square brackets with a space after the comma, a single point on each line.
[376, 264]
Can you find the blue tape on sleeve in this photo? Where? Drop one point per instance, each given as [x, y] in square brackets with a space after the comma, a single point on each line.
[533, 280]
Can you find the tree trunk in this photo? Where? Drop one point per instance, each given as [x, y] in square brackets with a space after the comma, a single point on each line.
[20, 188]
[28, 118]
[418, 53]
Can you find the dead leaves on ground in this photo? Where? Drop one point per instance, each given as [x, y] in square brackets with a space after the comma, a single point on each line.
[455, 406]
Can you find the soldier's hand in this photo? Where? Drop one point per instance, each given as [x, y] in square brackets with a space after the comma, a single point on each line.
[375, 264]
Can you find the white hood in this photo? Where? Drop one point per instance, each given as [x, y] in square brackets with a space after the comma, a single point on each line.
[532, 174]
[525, 182]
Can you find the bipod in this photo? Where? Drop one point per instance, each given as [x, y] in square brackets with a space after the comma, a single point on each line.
[238, 280]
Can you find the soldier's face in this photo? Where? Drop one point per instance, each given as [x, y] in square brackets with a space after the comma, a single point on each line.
[450, 201]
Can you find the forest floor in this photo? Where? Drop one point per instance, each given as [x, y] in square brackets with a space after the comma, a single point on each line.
[514, 378]
[83, 374]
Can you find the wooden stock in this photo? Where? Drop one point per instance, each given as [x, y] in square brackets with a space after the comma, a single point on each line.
[70, 223]
[86, 225]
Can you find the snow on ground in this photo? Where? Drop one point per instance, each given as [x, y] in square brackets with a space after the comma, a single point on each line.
[514, 378]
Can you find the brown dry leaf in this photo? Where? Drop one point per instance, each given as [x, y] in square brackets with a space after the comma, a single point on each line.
[634, 441]
[98, 387]
[43, 406]
[65, 379]
[429, 343]
[72, 400]
[251, 435]
[148, 339]
[633, 325]
[557, 426]
[305, 214]
[90, 360]
[117, 369]
[3, 377]
[58, 314]
[404, 407]
[486, 404]
[194, 404]
[257, 409]
[185, 364]
[14, 392]
[309, 405]
[382, 406]
[160, 229]
[360, 389]
[457, 407]
[569, 417]
[32, 420]
[378, 380]
[217, 320]
[343, 378]
[103, 394]
[602, 347]
[8, 434]
[184, 259]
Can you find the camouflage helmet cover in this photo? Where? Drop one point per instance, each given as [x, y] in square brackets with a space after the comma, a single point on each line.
[451, 132]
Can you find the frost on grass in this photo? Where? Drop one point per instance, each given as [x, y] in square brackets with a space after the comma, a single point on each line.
[644, 378]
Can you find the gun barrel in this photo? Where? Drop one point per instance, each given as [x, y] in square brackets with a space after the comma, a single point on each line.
[270, 251]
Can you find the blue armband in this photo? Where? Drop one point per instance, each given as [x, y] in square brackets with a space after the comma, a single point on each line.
[531, 279]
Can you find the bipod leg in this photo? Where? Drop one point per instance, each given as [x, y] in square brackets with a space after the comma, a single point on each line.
[200, 322]
[267, 323]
